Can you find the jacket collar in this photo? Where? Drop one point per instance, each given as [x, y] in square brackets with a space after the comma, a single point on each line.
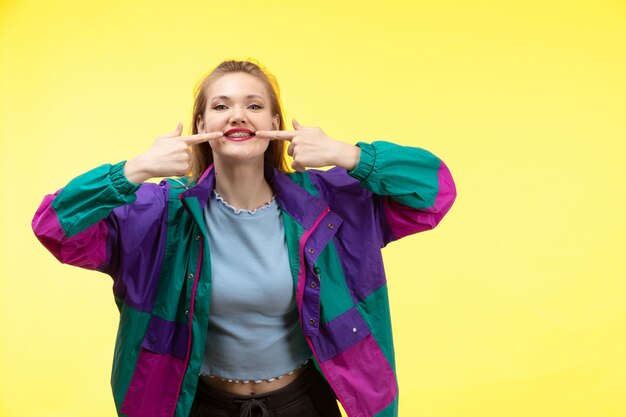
[293, 199]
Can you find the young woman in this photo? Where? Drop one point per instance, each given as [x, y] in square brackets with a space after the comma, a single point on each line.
[249, 289]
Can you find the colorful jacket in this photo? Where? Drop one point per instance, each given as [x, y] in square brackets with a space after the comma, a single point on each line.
[151, 239]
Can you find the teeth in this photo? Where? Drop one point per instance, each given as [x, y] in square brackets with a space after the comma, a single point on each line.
[239, 135]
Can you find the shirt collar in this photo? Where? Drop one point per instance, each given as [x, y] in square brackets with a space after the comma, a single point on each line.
[293, 199]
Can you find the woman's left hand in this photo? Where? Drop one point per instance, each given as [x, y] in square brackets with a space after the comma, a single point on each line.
[311, 147]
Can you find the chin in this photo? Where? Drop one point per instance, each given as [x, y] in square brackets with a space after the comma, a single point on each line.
[240, 150]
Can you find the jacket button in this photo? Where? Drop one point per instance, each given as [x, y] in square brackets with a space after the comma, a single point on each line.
[186, 312]
[313, 285]
[330, 225]
[354, 330]
[197, 237]
[190, 276]
[311, 250]
[311, 322]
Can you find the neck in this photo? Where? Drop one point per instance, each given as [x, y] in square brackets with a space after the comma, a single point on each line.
[242, 184]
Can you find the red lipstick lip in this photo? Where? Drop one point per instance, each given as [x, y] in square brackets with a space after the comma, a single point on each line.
[238, 139]
[241, 139]
[228, 132]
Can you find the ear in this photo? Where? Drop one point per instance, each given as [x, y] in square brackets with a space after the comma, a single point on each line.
[275, 122]
[200, 124]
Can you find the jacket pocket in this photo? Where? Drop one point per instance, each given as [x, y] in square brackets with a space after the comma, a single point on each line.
[166, 337]
[155, 384]
[340, 334]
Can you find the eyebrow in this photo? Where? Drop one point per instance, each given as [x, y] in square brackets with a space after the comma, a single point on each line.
[228, 98]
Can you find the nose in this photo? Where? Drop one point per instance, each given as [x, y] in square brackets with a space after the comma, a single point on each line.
[237, 116]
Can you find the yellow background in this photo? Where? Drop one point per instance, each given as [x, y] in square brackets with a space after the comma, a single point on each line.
[513, 306]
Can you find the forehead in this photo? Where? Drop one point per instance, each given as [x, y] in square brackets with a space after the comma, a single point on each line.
[237, 85]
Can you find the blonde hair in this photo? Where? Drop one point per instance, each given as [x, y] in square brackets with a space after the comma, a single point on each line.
[202, 155]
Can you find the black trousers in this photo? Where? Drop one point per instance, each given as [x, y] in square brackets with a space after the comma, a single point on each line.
[309, 395]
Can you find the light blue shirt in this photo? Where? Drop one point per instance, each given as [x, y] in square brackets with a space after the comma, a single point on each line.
[254, 331]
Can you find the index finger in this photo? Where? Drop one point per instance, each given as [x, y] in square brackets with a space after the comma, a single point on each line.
[276, 134]
[201, 137]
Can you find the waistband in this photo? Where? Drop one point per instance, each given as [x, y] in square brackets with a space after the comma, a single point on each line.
[234, 403]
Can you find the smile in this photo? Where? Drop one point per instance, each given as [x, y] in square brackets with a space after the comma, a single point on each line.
[238, 135]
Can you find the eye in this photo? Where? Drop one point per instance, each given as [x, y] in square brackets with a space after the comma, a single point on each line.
[218, 107]
[257, 106]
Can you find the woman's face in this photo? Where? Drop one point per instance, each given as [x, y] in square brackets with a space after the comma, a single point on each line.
[238, 101]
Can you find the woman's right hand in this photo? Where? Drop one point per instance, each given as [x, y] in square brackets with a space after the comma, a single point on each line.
[170, 155]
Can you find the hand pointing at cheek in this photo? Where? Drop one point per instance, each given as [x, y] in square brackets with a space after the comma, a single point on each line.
[311, 147]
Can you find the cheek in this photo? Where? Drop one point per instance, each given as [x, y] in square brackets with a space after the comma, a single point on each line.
[216, 145]
[262, 122]
[214, 123]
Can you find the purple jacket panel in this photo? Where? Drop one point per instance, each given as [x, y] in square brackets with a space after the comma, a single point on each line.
[137, 234]
[358, 208]
[340, 334]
